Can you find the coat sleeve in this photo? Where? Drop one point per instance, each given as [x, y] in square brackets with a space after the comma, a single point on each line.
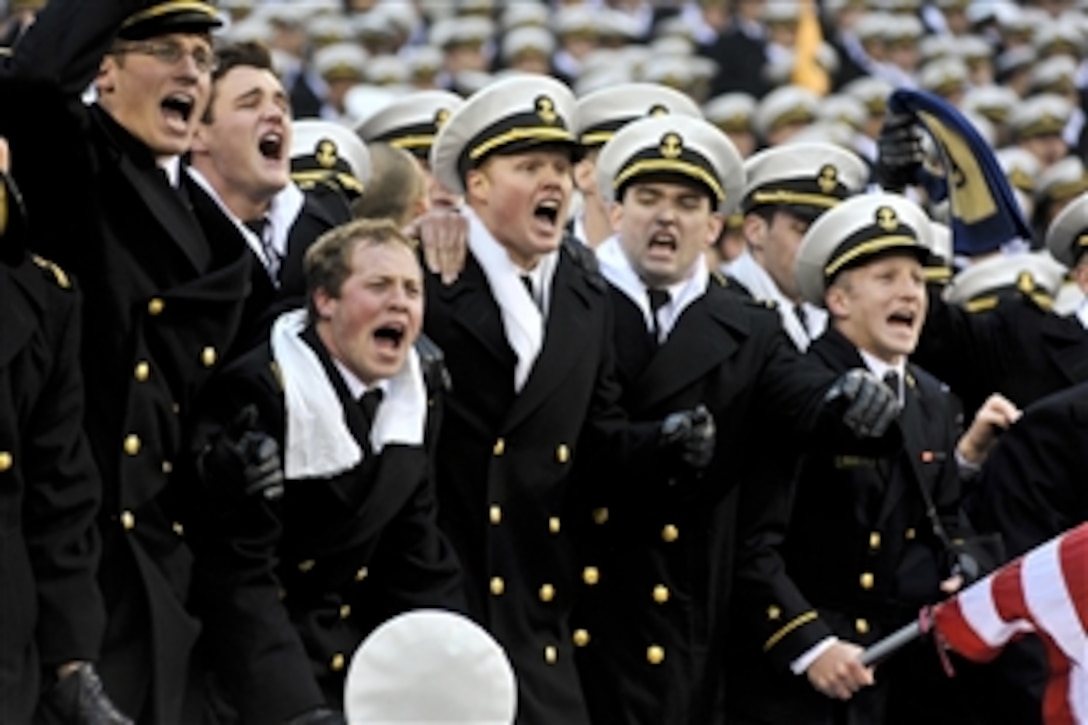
[257, 652]
[1031, 486]
[66, 43]
[63, 496]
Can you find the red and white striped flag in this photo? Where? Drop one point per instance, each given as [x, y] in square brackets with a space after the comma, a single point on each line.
[1046, 592]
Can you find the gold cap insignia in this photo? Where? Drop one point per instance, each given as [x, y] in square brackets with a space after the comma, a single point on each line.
[886, 219]
[828, 178]
[657, 110]
[326, 153]
[671, 145]
[545, 108]
[441, 116]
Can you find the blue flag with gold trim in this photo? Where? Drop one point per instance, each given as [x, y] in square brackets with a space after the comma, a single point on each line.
[984, 213]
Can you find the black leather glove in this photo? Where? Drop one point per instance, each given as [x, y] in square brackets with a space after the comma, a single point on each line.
[899, 153]
[318, 716]
[869, 405]
[240, 453]
[79, 699]
[692, 434]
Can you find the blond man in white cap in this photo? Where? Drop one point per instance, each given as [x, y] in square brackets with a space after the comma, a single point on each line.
[669, 548]
[526, 333]
[870, 533]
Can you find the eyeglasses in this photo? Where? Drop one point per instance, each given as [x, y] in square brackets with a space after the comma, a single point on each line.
[171, 53]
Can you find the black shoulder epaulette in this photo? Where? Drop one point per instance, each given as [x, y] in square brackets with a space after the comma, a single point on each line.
[52, 272]
[586, 259]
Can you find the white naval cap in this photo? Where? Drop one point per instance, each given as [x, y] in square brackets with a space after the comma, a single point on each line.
[341, 60]
[1062, 180]
[673, 145]
[429, 666]
[992, 101]
[978, 287]
[527, 39]
[783, 106]
[809, 178]
[944, 76]
[330, 153]
[508, 115]
[600, 114]
[412, 121]
[856, 231]
[1067, 235]
[1042, 115]
[870, 90]
[731, 111]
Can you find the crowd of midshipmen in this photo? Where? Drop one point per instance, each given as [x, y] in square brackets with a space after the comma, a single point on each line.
[706, 397]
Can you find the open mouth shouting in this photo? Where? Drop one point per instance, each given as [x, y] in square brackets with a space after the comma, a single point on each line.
[662, 245]
[391, 337]
[903, 320]
[271, 145]
[177, 109]
[546, 216]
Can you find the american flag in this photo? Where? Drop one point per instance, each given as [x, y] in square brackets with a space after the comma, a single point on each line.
[1043, 592]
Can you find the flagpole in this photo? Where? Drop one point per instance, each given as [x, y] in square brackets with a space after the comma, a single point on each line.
[886, 647]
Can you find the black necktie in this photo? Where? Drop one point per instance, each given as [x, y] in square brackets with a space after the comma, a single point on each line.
[802, 317]
[528, 282]
[658, 299]
[368, 403]
[260, 227]
[891, 379]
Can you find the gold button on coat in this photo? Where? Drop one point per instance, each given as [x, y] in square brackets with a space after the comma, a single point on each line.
[495, 515]
[866, 580]
[361, 574]
[547, 593]
[670, 533]
[132, 444]
[773, 612]
[550, 655]
[499, 448]
[910, 534]
[553, 524]
[155, 306]
[600, 515]
[874, 540]
[498, 586]
[591, 575]
[345, 611]
[167, 467]
[562, 453]
[143, 370]
[661, 594]
[128, 520]
[306, 565]
[337, 662]
[861, 626]
[580, 637]
[178, 528]
[208, 356]
[5, 461]
[655, 655]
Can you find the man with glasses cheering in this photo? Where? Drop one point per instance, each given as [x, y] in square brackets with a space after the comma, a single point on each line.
[162, 301]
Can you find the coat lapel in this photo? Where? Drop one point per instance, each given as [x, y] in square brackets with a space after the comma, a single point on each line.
[565, 335]
[474, 309]
[20, 321]
[707, 333]
[912, 425]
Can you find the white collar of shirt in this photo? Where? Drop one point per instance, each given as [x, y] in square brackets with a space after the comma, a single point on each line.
[317, 441]
[522, 320]
[1082, 313]
[879, 368]
[282, 212]
[746, 270]
[617, 269]
[171, 166]
[578, 229]
[356, 387]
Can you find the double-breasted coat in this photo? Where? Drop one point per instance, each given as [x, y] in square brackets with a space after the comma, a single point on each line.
[289, 588]
[861, 556]
[162, 304]
[504, 460]
[51, 611]
[669, 548]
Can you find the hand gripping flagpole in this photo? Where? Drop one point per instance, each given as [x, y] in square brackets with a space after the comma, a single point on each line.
[886, 647]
